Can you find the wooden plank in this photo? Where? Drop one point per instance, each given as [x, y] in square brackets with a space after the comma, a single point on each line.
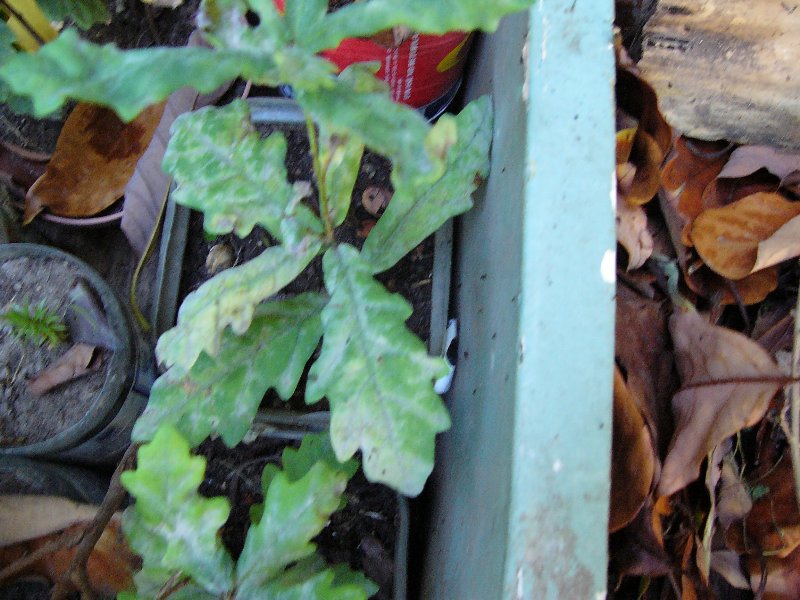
[727, 69]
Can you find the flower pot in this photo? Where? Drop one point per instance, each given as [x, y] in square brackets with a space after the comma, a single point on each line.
[423, 71]
[101, 431]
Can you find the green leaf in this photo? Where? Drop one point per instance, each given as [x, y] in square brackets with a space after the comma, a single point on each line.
[315, 447]
[271, 546]
[221, 395]
[362, 19]
[230, 298]
[342, 155]
[416, 211]
[377, 376]
[85, 13]
[311, 578]
[394, 130]
[237, 179]
[171, 526]
[128, 81]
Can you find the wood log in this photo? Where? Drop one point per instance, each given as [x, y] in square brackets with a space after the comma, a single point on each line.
[727, 69]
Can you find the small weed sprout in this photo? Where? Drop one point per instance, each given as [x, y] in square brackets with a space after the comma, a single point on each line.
[34, 323]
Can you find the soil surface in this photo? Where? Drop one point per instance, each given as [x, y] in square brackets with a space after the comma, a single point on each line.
[411, 277]
[362, 534]
[25, 418]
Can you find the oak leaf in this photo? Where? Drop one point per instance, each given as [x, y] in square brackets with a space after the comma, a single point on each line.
[95, 156]
[728, 239]
[728, 381]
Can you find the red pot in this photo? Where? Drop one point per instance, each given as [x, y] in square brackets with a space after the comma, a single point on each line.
[420, 70]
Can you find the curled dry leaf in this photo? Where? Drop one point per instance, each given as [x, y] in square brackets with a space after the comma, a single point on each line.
[637, 98]
[690, 168]
[727, 564]
[632, 458]
[638, 165]
[375, 200]
[746, 160]
[109, 569]
[773, 524]
[74, 363]
[220, 257]
[707, 414]
[638, 548]
[733, 497]
[633, 234]
[783, 576]
[728, 238]
[95, 156]
[24, 517]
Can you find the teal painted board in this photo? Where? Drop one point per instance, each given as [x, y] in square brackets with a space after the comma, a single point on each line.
[520, 499]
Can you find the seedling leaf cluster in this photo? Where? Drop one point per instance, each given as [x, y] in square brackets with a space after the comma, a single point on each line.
[236, 336]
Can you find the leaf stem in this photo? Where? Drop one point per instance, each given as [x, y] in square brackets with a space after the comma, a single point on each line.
[319, 172]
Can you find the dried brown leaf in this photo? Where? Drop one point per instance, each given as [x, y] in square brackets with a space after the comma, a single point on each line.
[727, 564]
[638, 149]
[707, 414]
[783, 576]
[746, 160]
[74, 363]
[728, 238]
[637, 98]
[633, 234]
[733, 497]
[24, 517]
[94, 158]
[638, 548]
[773, 524]
[632, 458]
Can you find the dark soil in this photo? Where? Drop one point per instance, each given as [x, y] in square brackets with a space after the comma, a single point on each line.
[411, 277]
[25, 418]
[363, 534]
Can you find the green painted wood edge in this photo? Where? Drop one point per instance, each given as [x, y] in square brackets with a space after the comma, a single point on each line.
[557, 545]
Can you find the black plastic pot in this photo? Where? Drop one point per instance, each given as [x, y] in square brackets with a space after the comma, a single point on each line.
[102, 435]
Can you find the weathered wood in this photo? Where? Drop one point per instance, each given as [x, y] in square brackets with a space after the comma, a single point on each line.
[727, 69]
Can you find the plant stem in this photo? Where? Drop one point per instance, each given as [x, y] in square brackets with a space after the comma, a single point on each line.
[319, 172]
[21, 18]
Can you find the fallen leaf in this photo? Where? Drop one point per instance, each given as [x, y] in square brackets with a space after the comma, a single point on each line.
[74, 363]
[24, 517]
[86, 319]
[638, 549]
[728, 238]
[707, 414]
[632, 458]
[733, 497]
[746, 160]
[633, 234]
[375, 200]
[146, 190]
[722, 192]
[772, 526]
[366, 226]
[728, 564]
[95, 156]
[644, 351]
[637, 148]
[780, 246]
[637, 98]
[109, 569]
[783, 576]
[690, 168]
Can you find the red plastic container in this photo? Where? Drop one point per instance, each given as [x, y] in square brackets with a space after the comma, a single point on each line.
[422, 70]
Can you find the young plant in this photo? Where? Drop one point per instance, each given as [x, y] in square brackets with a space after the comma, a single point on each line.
[174, 529]
[34, 323]
[235, 338]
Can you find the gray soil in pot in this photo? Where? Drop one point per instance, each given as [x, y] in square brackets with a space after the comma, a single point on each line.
[24, 417]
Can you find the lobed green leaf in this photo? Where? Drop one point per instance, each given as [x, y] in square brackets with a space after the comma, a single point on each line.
[415, 211]
[230, 298]
[342, 157]
[221, 395]
[271, 546]
[311, 578]
[377, 377]
[171, 526]
[238, 180]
